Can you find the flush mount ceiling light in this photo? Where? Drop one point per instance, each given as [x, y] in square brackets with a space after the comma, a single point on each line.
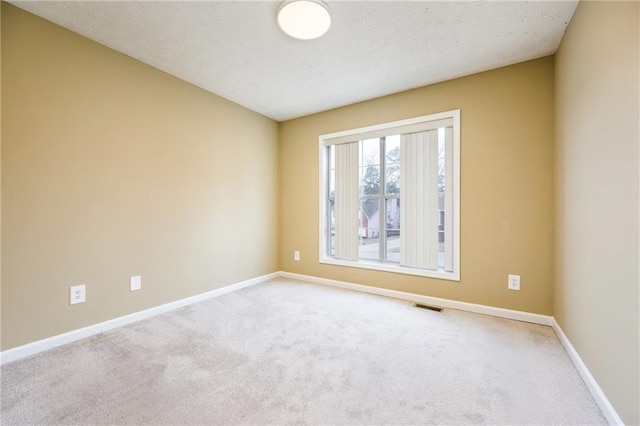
[304, 19]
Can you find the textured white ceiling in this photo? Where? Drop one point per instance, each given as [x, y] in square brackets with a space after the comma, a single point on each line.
[373, 48]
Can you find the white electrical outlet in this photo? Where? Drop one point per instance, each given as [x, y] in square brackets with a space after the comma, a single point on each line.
[77, 294]
[514, 282]
[296, 256]
[135, 283]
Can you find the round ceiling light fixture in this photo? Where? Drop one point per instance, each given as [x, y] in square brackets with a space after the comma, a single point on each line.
[304, 19]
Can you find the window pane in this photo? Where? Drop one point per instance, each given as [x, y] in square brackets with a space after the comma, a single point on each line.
[393, 230]
[441, 190]
[332, 170]
[370, 180]
[332, 227]
[392, 172]
[440, 231]
[392, 149]
[392, 165]
[370, 151]
[441, 157]
[370, 167]
[332, 183]
[369, 229]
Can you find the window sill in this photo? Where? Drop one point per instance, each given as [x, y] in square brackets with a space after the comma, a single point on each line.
[362, 264]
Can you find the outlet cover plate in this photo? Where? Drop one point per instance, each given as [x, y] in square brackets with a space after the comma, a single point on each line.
[296, 256]
[514, 282]
[77, 294]
[135, 283]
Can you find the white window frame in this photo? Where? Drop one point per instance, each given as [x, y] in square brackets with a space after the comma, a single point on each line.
[383, 129]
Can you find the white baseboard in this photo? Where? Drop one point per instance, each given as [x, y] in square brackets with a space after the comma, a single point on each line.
[71, 336]
[597, 393]
[428, 300]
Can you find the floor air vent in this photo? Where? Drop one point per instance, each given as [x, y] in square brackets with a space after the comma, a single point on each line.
[431, 308]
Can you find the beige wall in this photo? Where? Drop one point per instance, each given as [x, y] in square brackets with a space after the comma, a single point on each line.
[597, 115]
[506, 177]
[110, 169]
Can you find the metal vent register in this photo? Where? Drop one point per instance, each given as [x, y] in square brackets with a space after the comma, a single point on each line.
[431, 308]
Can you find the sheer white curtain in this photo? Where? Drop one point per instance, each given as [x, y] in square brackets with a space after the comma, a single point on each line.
[448, 199]
[347, 201]
[419, 205]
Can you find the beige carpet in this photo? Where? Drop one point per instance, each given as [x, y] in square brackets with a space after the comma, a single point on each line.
[293, 353]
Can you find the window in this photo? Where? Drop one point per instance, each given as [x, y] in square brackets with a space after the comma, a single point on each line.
[390, 196]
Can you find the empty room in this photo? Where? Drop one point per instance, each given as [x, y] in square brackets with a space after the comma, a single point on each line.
[320, 212]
